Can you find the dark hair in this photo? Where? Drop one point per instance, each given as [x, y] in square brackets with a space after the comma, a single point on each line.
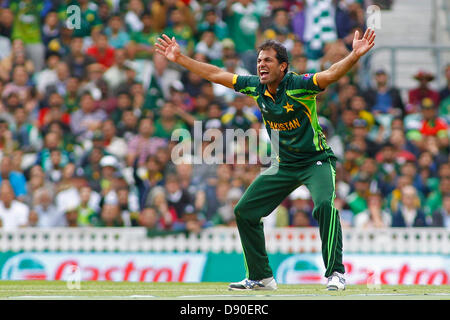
[282, 55]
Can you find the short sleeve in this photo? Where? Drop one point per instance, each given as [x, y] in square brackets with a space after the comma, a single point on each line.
[307, 82]
[246, 84]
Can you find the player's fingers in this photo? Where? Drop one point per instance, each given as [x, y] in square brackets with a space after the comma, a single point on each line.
[168, 40]
[160, 47]
[356, 37]
[367, 33]
[163, 42]
[372, 37]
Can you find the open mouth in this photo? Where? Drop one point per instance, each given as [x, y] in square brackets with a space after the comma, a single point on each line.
[263, 73]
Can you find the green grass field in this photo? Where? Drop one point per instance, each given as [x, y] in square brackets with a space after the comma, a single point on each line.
[207, 291]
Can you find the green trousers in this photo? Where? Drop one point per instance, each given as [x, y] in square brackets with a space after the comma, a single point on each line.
[267, 191]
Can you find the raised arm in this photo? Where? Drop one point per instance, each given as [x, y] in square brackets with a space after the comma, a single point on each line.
[340, 68]
[171, 50]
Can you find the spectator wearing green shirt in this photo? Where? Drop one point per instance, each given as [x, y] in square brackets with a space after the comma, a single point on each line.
[143, 40]
[168, 122]
[243, 22]
[211, 21]
[434, 199]
[89, 18]
[357, 200]
[27, 27]
[181, 31]
[87, 215]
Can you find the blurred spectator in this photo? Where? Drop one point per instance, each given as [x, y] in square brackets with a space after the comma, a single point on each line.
[86, 120]
[133, 17]
[444, 94]
[19, 84]
[117, 36]
[374, 216]
[16, 179]
[357, 200]
[180, 29]
[68, 195]
[238, 115]
[176, 197]
[431, 133]
[167, 214]
[434, 199]
[109, 171]
[27, 27]
[416, 95]
[441, 217]
[128, 125]
[110, 216]
[101, 51]
[111, 142]
[26, 135]
[168, 121]
[300, 214]
[333, 140]
[148, 218]
[384, 98]
[360, 135]
[213, 22]
[50, 28]
[225, 212]
[116, 74]
[86, 213]
[243, 21]
[48, 75]
[163, 74]
[13, 213]
[17, 56]
[144, 143]
[280, 29]
[6, 22]
[210, 46]
[192, 222]
[48, 214]
[161, 13]
[71, 215]
[142, 40]
[232, 64]
[409, 213]
[77, 60]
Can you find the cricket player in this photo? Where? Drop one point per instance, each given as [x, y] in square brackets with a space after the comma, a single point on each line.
[288, 106]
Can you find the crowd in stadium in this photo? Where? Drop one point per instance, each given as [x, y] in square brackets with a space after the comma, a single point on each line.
[88, 108]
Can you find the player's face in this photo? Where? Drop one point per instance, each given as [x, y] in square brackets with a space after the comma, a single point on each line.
[268, 67]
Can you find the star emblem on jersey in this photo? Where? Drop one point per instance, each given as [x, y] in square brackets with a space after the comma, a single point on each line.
[289, 107]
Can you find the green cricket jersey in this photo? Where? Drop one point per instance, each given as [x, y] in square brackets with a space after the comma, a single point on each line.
[292, 112]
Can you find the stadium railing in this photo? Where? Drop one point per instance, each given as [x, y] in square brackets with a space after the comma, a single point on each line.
[222, 239]
[437, 51]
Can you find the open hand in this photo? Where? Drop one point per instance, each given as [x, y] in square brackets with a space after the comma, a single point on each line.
[361, 46]
[168, 48]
